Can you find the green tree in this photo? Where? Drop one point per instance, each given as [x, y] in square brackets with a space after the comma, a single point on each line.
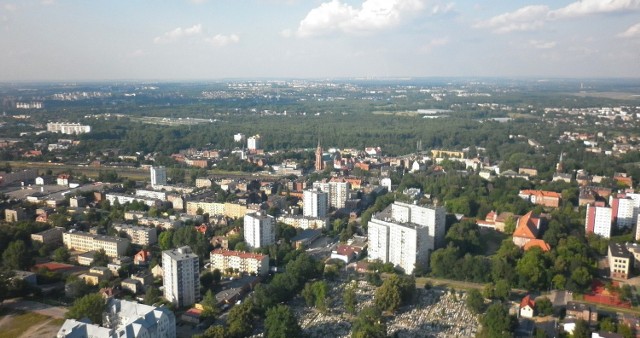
[215, 331]
[281, 323]
[61, 255]
[100, 258]
[210, 307]
[165, 240]
[241, 320]
[625, 330]
[475, 301]
[496, 322]
[349, 299]
[206, 279]
[152, 295]
[91, 306]
[16, 256]
[544, 307]
[581, 330]
[369, 324]
[387, 297]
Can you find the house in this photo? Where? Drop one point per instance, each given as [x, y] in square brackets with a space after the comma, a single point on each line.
[620, 261]
[142, 257]
[528, 229]
[497, 221]
[346, 253]
[131, 285]
[541, 197]
[527, 307]
[582, 311]
[537, 243]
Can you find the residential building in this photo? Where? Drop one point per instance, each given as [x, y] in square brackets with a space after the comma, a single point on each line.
[624, 209]
[304, 222]
[315, 203]
[527, 307]
[253, 142]
[181, 276]
[138, 234]
[582, 311]
[82, 241]
[634, 250]
[123, 199]
[259, 230]
[68, 128]
[598, 219]
[158, 176]
[49, 236]
[159, 195]
[124, 319]
[77, 202]
[14, 215]
[238, 261]
[620, 261]
[405, 234]
[527, 229]
[541, 197]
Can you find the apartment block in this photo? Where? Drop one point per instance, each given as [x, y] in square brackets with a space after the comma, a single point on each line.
[239, 261]
[181, 276]
[620, 261]
[598, 219]
[158, 175]
[315, 203]
[83, 241]
[138, 234]
[259, 230]
[49, 236]
[68, 128]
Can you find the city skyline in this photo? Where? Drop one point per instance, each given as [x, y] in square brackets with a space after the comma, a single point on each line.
[58, 40]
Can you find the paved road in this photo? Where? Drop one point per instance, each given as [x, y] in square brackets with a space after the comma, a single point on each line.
[31, 306]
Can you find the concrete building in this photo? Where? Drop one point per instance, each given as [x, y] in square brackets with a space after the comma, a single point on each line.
[338, 192]
[159, 195]
[14, 215]
[138, 234]
[124, 319]
[158, 176]
[405, 234]
[49, 236]
[253, 142]
[82, 241]
[239, 261]
[315, 203]
[620, 261]
[598, 219]
[68, 128]
[541, 197]
[625, 210]
[124, 199]
[181, 276]
[304, 222]
[259, 230]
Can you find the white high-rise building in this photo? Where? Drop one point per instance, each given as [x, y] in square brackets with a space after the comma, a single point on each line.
[158, 176]
[238, 137]
[181, 276]
[259, 229]
[338, 192]
[315, 203]
[253, 142]
[598, 219]
[624, 211]
[68, 128]
[405, 234]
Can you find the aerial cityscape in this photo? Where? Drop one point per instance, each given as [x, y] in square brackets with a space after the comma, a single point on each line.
[285, 168]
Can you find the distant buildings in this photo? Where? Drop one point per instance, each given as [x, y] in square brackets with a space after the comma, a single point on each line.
[527, 229]
[259, 230]
[238, 261]
[158, 176]
[68, 128]
[181, 276]
[319, 160]
[405, 234]
[49, 236]
[138, 234]
[124, 319]
[338, 192]
[253, 143]
[541, 197]
[598, 219]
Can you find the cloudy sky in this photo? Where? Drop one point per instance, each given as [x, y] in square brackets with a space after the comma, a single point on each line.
[213, 39]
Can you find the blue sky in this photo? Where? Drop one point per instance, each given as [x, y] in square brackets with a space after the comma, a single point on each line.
[212, 39]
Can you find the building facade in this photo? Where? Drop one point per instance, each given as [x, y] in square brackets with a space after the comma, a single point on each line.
[138, 234]
[83, 241]
[68, 128]
[239, 261]
[598, 219]
[181, 276]
[158, 175]
[315, 203]
[259, 230]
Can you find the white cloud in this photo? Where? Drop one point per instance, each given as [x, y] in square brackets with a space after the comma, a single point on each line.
[373, 15]
[631, 32]
[178, 34]
[542, 44]
[220, 40]
[535, 16]
[136, 53]
[435, 43]
[523, 19]
[590, 7]
[442, 9]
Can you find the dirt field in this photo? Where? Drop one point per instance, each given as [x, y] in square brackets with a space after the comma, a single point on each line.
[16, 324]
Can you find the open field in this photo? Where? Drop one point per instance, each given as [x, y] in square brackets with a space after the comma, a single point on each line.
[27, 324]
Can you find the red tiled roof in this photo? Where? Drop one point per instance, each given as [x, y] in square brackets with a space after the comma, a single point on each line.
[537, 243]
[527, 301]
[527, 226]
[240, 254]
[54, 266]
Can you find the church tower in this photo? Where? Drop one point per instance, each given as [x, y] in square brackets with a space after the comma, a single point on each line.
[319, 161]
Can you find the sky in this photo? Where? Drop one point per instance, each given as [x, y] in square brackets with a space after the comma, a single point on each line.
[80, 40]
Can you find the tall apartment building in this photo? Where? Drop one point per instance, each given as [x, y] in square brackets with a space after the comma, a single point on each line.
[138, 234]
[181, 276]
[158, 176]
[405, 234]
[68, 128]
[239, 261]
[598, 219]
[83, 241]
[253, 142]
[338, 192]
[315, 203]
[625, 208]
[259, 229]
[125, 319]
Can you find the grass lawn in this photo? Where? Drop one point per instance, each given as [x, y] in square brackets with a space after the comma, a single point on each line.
[14, 324]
